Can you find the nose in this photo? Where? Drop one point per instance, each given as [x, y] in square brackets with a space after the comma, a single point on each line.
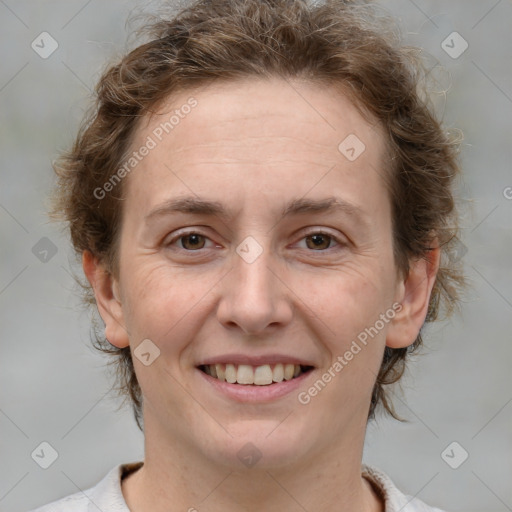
[254, 295]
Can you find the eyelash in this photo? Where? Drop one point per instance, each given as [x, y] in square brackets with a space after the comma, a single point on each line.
[184, 234]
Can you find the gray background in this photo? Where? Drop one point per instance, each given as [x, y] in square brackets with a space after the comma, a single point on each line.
[55, 387]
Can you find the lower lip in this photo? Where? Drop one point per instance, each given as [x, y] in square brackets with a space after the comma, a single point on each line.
[252, 393]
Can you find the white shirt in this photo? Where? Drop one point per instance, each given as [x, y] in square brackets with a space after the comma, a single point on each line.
[107, 496]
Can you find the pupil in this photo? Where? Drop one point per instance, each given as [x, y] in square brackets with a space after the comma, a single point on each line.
[318, 239]
[192, 239]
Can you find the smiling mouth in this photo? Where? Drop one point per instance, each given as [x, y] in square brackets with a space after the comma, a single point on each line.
[263, 375]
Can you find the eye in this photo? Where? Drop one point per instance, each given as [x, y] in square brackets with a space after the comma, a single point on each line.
[193, 241]
[189, 241]
[320, 240]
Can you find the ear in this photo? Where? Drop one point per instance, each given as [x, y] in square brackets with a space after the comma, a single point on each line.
[414, 296]
[106, 291]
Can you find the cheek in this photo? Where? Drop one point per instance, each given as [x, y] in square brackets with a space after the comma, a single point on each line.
[347, 301]
[163, 299]
[354, 336]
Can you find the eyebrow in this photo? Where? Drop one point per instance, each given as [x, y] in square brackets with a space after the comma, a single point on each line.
[198, 206]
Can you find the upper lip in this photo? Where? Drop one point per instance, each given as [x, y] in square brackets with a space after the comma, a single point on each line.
[255, 360]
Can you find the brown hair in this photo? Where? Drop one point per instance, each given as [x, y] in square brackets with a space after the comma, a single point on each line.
[333, 42]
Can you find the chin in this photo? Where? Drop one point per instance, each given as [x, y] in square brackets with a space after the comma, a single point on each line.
[259, 445]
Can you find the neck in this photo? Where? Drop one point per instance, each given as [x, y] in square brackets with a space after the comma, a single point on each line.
[174, 474]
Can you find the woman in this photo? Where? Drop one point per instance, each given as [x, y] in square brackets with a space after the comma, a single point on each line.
[262, 202]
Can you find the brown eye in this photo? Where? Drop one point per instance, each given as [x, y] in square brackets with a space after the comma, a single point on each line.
[319, 241]
[192, 241]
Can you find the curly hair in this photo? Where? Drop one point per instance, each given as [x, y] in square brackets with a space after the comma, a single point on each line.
[334, 42]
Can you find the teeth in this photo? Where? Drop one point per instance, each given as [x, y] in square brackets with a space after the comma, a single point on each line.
[289, 370]
[278, 373]
[262, 375]
[231, 373]
[258, 375]
[245, 374]
[219, 370]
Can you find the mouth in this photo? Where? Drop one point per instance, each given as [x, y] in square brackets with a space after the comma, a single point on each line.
[262, 375]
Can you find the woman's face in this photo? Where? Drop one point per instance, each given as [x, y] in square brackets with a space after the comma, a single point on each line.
[247, 286]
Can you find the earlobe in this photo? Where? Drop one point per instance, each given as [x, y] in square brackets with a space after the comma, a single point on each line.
[414, 295]
[106, 292]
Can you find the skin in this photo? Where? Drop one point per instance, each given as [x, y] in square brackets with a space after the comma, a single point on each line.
[253, 146]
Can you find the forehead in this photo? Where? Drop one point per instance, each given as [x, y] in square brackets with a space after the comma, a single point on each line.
[254, 126]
